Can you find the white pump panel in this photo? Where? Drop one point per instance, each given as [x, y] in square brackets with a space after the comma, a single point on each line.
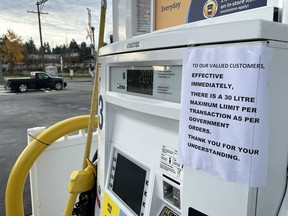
[139, 106]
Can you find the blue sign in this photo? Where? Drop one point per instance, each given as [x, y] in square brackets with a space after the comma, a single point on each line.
[200, 10]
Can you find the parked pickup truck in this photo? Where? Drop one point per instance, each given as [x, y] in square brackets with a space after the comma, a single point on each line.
[37, 80]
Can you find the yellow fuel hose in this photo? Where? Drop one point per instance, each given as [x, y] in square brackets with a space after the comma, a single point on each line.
[20, 170]
[94, 98]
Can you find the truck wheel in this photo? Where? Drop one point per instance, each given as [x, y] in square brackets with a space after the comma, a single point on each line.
[58, 86]
[22, 88]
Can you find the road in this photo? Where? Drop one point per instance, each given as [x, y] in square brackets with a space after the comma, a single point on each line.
[20, 111]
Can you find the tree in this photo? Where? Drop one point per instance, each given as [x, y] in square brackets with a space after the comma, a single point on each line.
[2, 40]
[74, 46]
[12, 49]
[30, 47]
[30, 51]
[56, 50]
[84, 52]
[47, 49]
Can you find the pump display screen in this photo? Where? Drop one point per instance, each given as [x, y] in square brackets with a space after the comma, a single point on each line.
[129, 182]
[140, 81]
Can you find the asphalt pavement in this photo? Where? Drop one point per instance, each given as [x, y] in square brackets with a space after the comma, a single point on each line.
[35, 108]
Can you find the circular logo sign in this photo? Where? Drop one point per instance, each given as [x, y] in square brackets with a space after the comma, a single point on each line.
[210, 8]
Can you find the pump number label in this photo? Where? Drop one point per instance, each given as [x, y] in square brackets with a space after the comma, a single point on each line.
[168, 162]
[100, 116]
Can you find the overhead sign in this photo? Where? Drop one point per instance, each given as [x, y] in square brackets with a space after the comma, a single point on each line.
[172, 13]
[143, 16]
[224, 125]
[200, 10]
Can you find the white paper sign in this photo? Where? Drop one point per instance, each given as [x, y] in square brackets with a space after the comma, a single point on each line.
[224, 127]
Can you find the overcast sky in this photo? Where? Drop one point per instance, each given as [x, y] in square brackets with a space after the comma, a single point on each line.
[66, 20]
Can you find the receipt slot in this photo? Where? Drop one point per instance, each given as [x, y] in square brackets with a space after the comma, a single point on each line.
[139, 113]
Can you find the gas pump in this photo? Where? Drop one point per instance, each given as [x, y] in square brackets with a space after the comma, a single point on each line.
[139, 106]
[134, 100]
[140, 79]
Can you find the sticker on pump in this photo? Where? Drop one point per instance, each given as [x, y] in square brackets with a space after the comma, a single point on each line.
[110, 208]
[168, 162]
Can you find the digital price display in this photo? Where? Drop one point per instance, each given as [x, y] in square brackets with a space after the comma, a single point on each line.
[140, 81]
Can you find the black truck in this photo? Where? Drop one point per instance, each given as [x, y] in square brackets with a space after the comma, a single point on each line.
[37, 80]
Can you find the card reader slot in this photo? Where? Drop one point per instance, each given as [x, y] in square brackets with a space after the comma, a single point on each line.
[170, 179]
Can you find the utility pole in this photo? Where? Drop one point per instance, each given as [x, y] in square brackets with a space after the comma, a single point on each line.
[90, 31]
[40, 31]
